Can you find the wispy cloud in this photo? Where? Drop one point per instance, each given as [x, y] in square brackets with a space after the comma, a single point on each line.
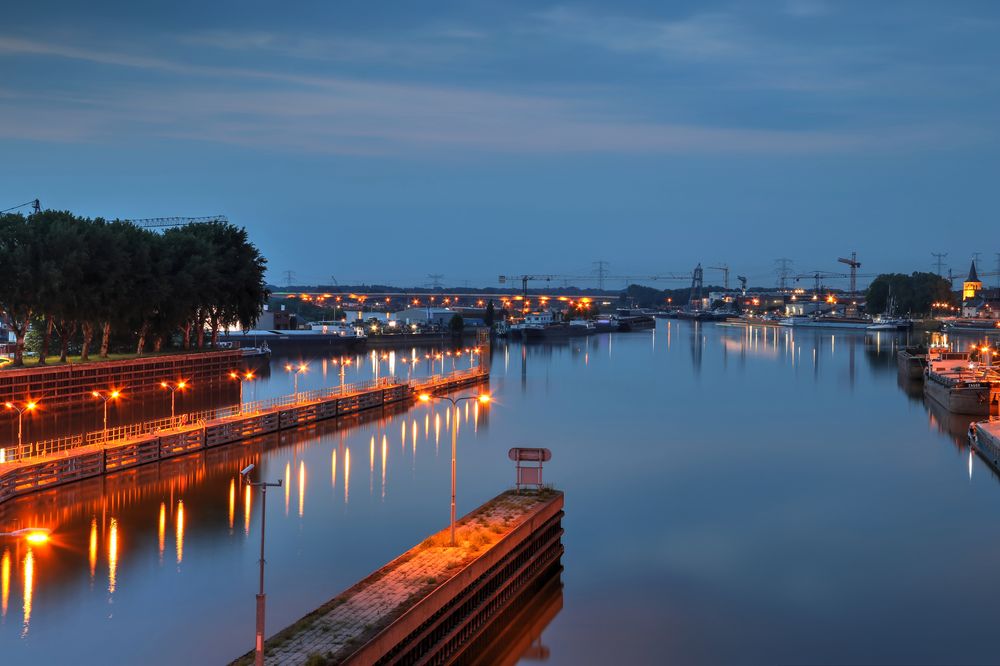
[275, 110]
[698, 37]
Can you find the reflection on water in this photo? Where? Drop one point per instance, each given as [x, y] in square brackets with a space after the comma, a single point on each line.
[516, 634]
[4, 582]
[771, 476]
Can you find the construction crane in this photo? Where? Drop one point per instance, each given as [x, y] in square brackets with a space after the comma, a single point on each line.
[818, 276]
[725, 274]
[36, 206]
[855, 265]
[525, 279]
[164, 222]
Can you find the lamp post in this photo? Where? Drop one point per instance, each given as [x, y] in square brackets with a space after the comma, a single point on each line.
[263, 485]
[247, 376]
[482, 398]
[174, 388]
[27, 407]
[105, 397]
[297, 370]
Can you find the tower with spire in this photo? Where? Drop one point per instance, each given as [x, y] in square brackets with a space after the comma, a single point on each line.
[972, 284]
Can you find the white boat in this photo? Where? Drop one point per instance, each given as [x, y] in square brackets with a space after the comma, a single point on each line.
[826, 321]
[340, 329]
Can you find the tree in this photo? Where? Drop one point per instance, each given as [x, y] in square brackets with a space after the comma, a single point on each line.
[490, 316]
[456, 325]
[910, 294]
[18, 289]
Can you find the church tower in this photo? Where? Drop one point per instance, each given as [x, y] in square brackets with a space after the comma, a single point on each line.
[971, 285]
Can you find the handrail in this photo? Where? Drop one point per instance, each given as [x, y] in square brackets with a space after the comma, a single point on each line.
[103, 438]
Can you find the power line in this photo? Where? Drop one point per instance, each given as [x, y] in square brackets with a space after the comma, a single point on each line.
[289, 278]
[435, 280]
[783, 267]
[940, 261]
[601, 268]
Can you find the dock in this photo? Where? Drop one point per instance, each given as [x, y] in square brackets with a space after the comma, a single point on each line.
[985, 437]
[433, 602]
[39, 465]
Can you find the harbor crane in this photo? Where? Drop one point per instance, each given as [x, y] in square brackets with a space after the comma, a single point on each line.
[164, 222]
[725, 274]
[743, 283]
[855, 265]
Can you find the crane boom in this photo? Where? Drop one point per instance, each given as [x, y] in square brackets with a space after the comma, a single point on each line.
[164, 222]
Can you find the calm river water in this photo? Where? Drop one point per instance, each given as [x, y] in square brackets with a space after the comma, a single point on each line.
[732, 496]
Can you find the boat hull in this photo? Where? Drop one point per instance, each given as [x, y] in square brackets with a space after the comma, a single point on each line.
[973, 400]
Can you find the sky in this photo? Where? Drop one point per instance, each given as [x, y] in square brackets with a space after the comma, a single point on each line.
[381, 142]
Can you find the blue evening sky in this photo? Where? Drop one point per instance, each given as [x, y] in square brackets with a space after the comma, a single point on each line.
[382, 141]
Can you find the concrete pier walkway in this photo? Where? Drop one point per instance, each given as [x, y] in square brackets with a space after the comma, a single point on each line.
[434, 598]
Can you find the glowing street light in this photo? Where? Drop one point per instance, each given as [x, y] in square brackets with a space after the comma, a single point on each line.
[174, 388]
[105, 397]
[483, 398]
[298, 369]
[263, 485]
[26, 407]
[36, 536]
[247, 376]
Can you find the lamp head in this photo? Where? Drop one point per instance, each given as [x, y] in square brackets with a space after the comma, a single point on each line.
[425, 397]
[245, 472]
[484, 398]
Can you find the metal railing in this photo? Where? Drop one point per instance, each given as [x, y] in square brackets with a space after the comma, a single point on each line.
[102, 438]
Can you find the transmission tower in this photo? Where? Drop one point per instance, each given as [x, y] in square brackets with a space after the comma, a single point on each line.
[601, 271]
[975, 259]
[939, 256]
[783, 267]
[435, 280]
[696, 283]
[289, 278]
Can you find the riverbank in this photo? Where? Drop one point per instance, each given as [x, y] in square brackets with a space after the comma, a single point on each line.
[410, 602]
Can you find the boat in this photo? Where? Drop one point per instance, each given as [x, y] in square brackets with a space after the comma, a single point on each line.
[961, 385]
[604, 323]
[261, 351]
[339, 328]
[972, 326]
[912, 361]
[704, 315]
[890, 324]
[826, 321]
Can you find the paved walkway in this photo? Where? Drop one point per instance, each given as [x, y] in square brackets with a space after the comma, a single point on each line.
[346, 622]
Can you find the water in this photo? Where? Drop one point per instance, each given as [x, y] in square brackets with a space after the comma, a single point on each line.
[732, 496]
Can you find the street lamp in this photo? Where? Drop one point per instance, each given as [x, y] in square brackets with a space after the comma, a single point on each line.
[263, 485]
[482, 398]
[113, 395]
[247, 376]
[27, 407]
[179, 386]
[33, 535]
[297, 369]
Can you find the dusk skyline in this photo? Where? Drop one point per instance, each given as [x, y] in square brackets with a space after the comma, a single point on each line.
[369, 143]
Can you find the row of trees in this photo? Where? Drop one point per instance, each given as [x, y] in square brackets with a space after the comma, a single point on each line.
[907, 294]
[80, 279]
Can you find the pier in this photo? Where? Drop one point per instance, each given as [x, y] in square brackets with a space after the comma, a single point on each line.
[37, 465]
[434, 601]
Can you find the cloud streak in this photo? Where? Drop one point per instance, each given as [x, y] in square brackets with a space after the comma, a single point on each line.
[275, 110]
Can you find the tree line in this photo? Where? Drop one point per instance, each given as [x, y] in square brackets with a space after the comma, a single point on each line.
[907, 294]
[77, 280]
